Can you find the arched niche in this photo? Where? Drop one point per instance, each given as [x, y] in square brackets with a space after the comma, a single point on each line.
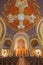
[7, 47]
[36, 48]
[22, 36]
[7, 43]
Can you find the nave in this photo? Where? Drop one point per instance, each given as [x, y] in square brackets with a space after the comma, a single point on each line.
[21, 61]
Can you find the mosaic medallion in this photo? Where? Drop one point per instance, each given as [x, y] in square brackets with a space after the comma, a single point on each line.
[20, 16]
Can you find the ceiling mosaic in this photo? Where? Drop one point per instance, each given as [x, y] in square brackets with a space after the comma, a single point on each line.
[20, 15]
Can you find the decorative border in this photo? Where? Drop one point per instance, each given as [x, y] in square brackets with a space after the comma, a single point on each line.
[38, 29]
[3, 28]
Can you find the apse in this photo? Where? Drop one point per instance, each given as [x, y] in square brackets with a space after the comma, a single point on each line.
[21, 45]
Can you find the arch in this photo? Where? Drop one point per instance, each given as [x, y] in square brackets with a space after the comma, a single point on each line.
[21, 35]
[24, 36]
[38, 29]
[35, 41]
[3, 27]
[3, 32]
[8, 41]
[39, 33]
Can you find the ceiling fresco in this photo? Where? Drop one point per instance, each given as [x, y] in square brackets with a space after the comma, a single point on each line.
[17, 19]
[20, 16]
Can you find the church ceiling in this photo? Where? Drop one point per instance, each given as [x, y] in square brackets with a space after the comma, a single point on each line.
[20, 15]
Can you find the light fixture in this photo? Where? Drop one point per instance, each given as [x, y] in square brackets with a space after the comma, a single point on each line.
[4, 53]
[38, 52]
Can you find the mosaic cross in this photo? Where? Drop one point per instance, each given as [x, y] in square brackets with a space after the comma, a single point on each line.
[21, 16]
